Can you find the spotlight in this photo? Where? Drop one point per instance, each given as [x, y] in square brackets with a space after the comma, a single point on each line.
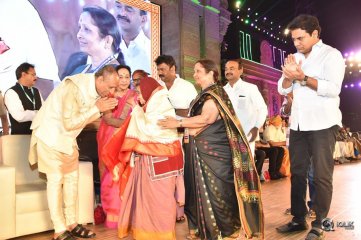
[346, 86]
[352, 85]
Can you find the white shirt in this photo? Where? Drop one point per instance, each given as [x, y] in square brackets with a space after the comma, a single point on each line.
[316, 110]
[248, 104]
[16, 109]
[137, 54]
[182, 93]
[23, 31]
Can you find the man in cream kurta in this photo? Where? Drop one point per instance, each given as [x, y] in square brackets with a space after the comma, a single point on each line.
[77, 101]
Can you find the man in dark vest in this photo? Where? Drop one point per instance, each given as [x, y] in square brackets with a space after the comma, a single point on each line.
[23, 100]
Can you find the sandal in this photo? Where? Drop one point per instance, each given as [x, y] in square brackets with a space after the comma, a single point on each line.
[65, 236]
[81, 232]
[180, 219]
[315, 235]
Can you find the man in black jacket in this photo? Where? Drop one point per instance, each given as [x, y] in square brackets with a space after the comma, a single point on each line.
[23, 100]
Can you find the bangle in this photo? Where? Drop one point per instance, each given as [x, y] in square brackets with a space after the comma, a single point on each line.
[180, 123]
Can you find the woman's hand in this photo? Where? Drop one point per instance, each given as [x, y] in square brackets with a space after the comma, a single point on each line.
[168, 122]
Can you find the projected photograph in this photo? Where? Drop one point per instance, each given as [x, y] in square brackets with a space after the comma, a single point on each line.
[63, 38]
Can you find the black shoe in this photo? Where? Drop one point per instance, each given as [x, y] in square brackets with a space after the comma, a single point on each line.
[292, 227]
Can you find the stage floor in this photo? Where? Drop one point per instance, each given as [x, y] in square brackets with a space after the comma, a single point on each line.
[345, 208]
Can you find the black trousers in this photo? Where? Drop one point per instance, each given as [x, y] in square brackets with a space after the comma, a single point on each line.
[275, 157]
[320, 145]
[260, 155]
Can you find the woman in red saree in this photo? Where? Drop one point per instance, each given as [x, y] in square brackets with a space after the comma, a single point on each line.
[147, 159]
[112, 120]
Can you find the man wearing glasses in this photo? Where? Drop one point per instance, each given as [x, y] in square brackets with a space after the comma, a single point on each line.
[23, 100]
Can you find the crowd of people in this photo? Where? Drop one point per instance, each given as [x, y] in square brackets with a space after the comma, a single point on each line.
[200, 154]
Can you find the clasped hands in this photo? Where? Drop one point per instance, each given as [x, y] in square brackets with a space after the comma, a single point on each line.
[292, 70]
[105, 104]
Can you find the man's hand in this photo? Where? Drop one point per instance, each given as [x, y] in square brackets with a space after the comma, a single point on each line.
[292, 70]
[105, 104]
[293, 73]
[253, 132]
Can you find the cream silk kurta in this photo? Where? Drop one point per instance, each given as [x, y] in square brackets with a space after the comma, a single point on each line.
[67, 110]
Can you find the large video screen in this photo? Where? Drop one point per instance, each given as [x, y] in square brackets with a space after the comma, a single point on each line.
[65, 37]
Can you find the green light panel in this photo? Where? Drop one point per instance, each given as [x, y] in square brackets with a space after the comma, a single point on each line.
[245, 47]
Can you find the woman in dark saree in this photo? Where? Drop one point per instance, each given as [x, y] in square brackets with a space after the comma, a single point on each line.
[222, 186]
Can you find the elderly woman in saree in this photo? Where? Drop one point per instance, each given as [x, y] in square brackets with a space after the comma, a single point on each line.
[222, 186]
[146, 160]
[111, 121]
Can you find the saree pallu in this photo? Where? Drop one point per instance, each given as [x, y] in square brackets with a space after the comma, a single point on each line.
[110, 190]
[140, 133]
[148, 207]
[215, 160]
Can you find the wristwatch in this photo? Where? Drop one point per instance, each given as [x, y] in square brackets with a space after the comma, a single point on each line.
[304, 81]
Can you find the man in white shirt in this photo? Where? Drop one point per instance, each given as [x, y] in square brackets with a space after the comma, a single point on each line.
[135, 45]
[23, 100]
[180, 93]
[246, 99]
[314, 74]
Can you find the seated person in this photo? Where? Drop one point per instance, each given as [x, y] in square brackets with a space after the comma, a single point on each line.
[275, 136]
[274, 157]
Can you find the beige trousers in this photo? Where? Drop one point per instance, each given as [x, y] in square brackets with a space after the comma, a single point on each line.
[62, 192]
